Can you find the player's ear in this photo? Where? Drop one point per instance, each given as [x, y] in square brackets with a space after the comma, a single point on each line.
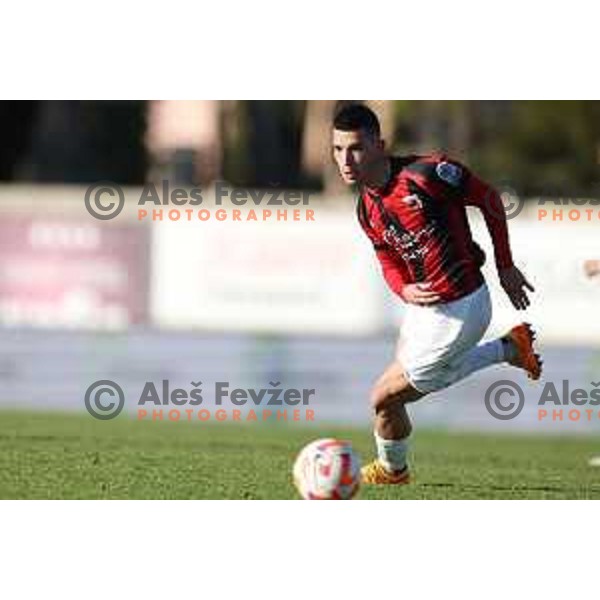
[381, 144]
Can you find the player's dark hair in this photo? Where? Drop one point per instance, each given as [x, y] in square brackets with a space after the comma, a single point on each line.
[354, 117]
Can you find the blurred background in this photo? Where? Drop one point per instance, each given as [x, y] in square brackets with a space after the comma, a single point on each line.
[251, 302]
[542, 147]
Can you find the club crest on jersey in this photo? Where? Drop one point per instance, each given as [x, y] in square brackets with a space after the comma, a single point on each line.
[413, 201]
[449, 173]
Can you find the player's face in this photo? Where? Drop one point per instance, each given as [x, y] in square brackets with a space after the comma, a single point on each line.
[356, 153]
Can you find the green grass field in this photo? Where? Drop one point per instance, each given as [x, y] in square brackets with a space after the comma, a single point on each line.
[74, 456]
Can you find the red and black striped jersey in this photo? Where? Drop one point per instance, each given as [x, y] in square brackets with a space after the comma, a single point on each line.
[418, 225]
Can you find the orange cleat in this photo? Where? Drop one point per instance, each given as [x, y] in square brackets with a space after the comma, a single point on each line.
[376, 474]
[522, 337]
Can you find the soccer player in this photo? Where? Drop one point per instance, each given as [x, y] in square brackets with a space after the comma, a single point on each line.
[413, 210]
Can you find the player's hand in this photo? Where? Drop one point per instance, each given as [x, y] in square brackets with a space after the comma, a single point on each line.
[514, 284]
[419, 293]
[591, 267]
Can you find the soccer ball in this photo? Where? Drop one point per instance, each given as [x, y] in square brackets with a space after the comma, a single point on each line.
[327, 469]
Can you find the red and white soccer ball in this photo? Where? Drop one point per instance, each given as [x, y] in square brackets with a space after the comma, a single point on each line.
[327, 469]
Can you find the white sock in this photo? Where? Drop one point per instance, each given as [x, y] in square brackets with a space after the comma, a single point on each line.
[480, 357]
[392, 453]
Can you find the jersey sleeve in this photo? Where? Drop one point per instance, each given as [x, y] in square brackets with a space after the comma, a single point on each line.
[486, 198]
[461, 183]
[452, 175]
[441, 176]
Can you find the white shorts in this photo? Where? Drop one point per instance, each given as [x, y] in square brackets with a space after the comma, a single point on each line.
[433, 339]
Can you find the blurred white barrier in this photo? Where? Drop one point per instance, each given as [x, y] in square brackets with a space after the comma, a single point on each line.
[60, 267]
[278, 276]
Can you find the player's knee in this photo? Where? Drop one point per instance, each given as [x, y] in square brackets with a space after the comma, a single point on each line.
[384, 394]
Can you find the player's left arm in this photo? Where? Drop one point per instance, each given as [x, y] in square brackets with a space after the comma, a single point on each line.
[486, 198]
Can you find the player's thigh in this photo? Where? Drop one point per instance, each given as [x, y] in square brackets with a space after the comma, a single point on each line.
[432, 339]
[441, 331]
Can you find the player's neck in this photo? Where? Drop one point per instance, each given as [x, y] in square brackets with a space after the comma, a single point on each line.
[381, 176]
